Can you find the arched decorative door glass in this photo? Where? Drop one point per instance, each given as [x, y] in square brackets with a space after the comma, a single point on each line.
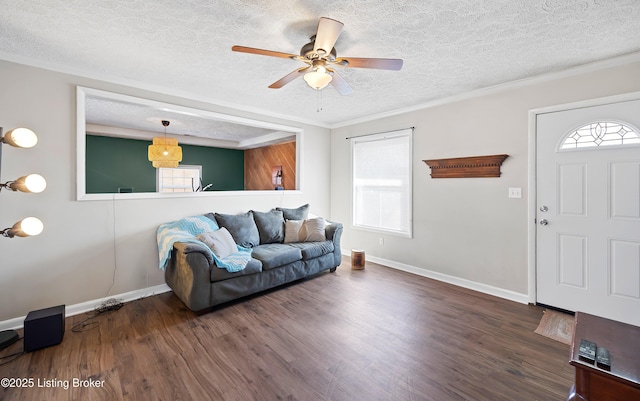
[601, 133]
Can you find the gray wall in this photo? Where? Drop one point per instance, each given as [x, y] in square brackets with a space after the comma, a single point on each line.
[467, 230]
[91, 249]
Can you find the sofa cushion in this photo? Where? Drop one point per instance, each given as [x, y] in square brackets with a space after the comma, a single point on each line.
[299, 213]
[270, 226]
[220, 241]
[312, 250]
[274, 255]
[242, 227]
[219, 274]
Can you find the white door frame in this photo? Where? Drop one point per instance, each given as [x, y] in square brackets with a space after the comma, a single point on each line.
[532, 180]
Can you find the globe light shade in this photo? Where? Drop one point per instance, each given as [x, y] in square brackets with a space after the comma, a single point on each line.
[165, 152]
[27, 227]
[34, 183]
[21, 138]
[318, 79]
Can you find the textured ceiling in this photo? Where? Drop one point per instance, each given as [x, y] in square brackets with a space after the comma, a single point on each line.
[448, 46]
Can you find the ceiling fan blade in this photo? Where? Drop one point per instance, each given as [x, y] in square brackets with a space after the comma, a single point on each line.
[394, 64]
[289, 77]
[340, 84]
[263, 52]
[327, 34]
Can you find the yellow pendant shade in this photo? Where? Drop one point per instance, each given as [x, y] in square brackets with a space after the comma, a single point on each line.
[165, 152]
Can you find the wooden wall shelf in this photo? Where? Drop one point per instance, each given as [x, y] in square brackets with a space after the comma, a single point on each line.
[466, 167]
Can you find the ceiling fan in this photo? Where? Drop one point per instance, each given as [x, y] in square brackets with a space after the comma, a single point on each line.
[321, 57]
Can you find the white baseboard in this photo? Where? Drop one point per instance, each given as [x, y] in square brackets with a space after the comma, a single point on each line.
[76, 309]
[460, 282]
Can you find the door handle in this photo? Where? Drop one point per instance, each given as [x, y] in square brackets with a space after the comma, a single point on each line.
[544, 222]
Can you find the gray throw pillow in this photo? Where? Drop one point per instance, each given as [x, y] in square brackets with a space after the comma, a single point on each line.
[242, 228]
[294, 231]
[299, 213]
[312, 230]
[270, 226]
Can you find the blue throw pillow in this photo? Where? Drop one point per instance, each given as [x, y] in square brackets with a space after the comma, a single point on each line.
[242, 228]
[270, 226]
[299, 213]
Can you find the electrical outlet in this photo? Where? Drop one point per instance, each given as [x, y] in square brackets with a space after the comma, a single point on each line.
[515, 192]
[380, 241]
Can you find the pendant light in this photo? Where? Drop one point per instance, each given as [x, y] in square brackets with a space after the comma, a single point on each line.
[165, 152]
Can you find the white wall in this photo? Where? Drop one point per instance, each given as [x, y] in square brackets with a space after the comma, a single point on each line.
[467, 229]
[464, 228]
[86, 245]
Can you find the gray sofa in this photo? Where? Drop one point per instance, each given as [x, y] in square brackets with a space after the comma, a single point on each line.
[195, 278]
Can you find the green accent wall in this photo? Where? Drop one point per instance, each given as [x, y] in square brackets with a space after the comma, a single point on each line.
[114, 163]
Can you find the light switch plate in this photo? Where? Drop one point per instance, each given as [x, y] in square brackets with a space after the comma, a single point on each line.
[515, 192]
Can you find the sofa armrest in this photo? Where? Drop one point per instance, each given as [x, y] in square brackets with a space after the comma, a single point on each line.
[330, 229]
[193, 247]
[189, 274]
[333, 232]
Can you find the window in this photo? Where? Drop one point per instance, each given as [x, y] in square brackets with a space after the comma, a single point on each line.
[381, 182]
[180, 179]
[602, 133]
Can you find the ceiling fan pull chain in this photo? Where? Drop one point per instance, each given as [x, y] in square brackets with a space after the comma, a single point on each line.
[319, 109]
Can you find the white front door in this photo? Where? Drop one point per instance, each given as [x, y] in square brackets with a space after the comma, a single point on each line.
[588, 210]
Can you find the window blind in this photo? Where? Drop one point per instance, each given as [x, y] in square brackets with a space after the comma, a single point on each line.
[382, 183]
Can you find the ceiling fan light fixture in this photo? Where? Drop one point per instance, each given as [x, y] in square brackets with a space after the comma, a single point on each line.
[318, 79]
[319, 53]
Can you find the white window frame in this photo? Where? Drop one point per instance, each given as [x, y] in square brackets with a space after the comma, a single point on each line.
[408, 213]
[163, 170]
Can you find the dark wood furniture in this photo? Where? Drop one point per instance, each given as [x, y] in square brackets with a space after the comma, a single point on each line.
[622, 340]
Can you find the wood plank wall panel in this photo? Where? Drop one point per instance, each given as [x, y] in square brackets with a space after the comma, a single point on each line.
[259, 162]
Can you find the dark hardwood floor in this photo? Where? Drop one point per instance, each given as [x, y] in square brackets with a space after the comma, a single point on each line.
[375, 334]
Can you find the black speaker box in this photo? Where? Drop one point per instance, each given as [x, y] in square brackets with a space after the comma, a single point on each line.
[43, 328]
[8, 337]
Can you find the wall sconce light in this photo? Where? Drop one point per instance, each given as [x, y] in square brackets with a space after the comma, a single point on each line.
[20, 138]
[34, 183]
[24, 228]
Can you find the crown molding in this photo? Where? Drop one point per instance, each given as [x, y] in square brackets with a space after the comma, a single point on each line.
[151, 88]
[566, 73]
